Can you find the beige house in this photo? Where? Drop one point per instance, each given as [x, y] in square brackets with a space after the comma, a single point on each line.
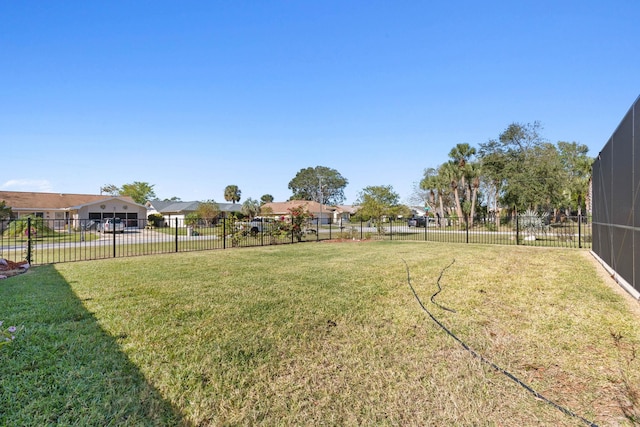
[69, 209]
[327, 214]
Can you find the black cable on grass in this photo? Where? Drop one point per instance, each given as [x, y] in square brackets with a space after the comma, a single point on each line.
[439, 287]
[482, 358]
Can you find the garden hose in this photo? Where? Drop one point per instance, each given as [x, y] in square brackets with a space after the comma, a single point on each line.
[479, 356]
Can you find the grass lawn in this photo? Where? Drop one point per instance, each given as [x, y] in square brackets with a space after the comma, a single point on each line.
[321, 334]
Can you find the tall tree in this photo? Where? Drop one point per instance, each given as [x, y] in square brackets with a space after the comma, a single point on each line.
[322, 184]
[522, 137]
[110, 189]
[140, 192]
[450, 173]
[208, 211]
[266, 198]
[5, 211]
[232, 193]
[512, 161]
[463, 172]
[548, 179]
[473, 179]
[577, 166]
[437, 186]
[420, 196]
[492, 159]
[461, 156]
[376, 202]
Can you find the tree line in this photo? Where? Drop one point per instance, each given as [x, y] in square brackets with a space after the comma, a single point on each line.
[517, 171]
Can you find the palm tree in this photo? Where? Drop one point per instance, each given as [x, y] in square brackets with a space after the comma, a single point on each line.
[449, 173]
[461, 156]
[475, 184]
[251, 207]
[436, 188]
[232, 193]
[429, 184]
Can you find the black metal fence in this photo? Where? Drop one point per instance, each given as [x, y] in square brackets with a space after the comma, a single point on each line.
[616, 201]
[43, 241]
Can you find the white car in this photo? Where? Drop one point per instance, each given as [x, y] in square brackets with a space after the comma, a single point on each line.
[255, 226]
[112, 225]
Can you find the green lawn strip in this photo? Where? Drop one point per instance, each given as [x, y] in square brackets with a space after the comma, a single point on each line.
[63, 369]
[319, 334]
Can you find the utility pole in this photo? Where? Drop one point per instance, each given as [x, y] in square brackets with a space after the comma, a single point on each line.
[320, 198]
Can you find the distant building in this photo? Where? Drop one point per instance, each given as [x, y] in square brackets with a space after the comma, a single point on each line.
[68, 209]
[326, 214]
[172, 210]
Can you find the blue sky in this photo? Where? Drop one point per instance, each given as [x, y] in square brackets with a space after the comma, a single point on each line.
[193, 96]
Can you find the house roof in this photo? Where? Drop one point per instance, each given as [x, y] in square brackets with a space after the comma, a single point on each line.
[171, 207]
[125, 199]
[279, 208]
[175, 207]
[159, 204]
[348, 209]
[230, 207]
[20, 200]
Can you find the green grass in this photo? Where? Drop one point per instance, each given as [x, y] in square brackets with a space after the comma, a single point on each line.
[320, 333]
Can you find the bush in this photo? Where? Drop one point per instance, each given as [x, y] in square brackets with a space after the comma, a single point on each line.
[157, 220]
[18, 227]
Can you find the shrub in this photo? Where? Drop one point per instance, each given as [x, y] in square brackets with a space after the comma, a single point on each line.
[157, 220]
[530, 222]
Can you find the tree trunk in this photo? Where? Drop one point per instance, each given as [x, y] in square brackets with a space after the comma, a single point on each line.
[458, 206]
[441, 209]
[474, 195]
[495, 209]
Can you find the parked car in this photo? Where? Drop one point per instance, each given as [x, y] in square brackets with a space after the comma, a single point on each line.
[418, 221]
[112, 225]
[255, 226]
[260, 224]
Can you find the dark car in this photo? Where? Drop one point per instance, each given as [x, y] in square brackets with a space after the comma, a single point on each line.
[418, 221]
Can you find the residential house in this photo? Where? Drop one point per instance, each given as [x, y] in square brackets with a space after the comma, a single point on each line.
[343, 213]
[326, 214]
[172, 210]
[64, 210]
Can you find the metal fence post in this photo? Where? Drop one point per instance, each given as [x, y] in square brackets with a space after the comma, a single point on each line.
[176, 234]
[113, 230]
[426, 225]
[28, 240]
[466, 225]
[517, 226]
[580, 231]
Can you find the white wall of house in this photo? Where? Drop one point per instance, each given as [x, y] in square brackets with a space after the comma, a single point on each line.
[170, 219]
[109, 208]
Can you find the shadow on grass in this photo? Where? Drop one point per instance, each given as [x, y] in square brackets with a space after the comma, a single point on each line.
[63, 368]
